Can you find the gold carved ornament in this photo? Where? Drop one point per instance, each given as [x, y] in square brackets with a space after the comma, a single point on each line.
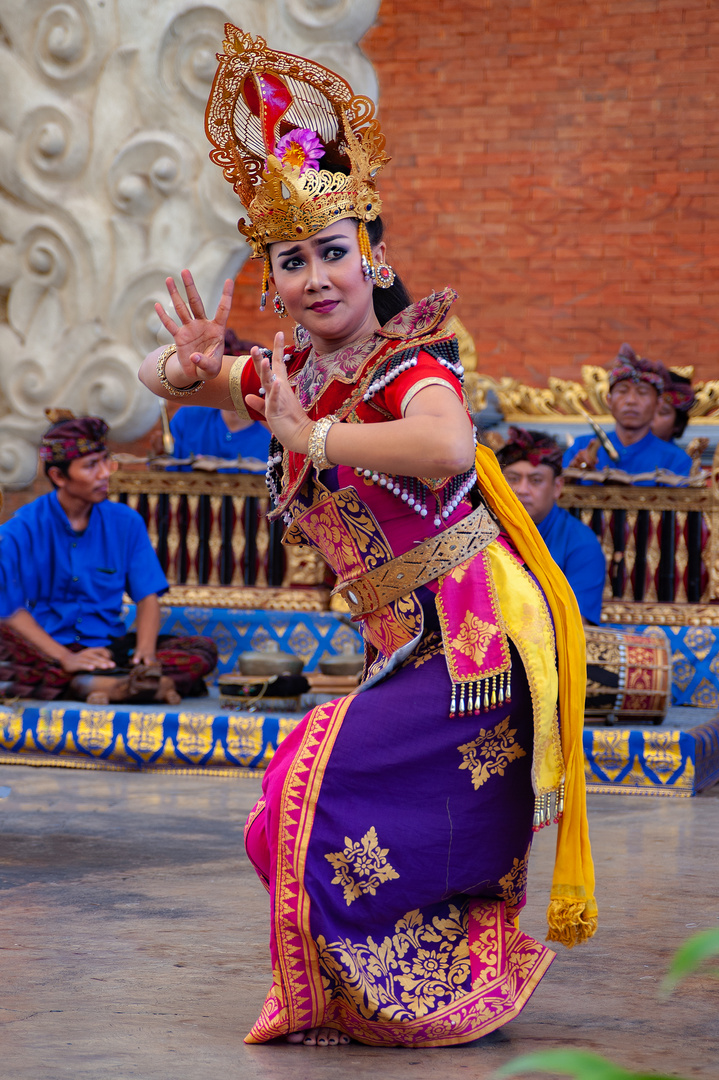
[568, 400]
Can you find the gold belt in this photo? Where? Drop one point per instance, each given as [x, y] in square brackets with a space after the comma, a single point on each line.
[429, 560]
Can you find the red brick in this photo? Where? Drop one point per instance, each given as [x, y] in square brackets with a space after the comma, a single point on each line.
[551, 155]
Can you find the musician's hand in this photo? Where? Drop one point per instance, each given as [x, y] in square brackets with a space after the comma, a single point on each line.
[279, 406]
[200, 341]
[586, 458]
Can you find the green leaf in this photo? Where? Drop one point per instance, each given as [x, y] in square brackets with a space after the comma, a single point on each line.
[581, 1064]
[695, 950]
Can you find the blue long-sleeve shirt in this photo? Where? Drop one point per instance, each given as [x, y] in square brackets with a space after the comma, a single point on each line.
[73, 583]
[648, 454]
[578, 553]
[197, 430]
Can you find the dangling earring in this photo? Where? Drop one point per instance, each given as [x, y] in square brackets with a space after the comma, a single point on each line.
[380, 273]
[366, 252]
[384, 276]
[279, 305]
[265, 282]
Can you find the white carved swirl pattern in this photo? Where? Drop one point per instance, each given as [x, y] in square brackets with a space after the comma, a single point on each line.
[64, 40]
[147, 170]
[108, 188]
[53, 146]
[45, 257]
[188, 51]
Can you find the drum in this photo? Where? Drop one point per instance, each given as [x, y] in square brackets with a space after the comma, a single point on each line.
[628, 674]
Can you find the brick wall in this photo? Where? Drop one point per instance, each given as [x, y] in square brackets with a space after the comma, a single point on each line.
[557, 163]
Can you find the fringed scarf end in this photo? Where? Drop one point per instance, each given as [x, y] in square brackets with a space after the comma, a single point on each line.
[568, 923]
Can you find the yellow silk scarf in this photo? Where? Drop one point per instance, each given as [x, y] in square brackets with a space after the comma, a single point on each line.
[572, 912]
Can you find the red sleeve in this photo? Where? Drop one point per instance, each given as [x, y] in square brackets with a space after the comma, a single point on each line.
[250, 383]
[427, 372]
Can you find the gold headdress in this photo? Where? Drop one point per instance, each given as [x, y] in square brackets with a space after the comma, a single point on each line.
[273, 118]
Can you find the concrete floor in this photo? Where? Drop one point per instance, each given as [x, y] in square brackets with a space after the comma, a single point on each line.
[133, 939]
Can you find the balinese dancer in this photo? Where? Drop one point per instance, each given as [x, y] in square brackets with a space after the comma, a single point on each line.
[395, 826]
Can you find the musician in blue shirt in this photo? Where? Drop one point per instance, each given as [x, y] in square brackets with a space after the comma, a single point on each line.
[532, 465]
[635, 387]
[66, 559]
[219, 432]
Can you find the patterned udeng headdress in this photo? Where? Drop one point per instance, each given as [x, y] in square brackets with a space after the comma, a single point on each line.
[273, 118]
[71, 437]
[536, 447]
[629, 366]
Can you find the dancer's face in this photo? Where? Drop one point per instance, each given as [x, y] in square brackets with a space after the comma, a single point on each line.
[322, 285]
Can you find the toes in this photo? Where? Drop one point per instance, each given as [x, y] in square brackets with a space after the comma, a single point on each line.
[322, 1036]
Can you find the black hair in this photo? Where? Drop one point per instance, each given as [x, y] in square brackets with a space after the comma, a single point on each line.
[681, 419]
[387, 302]
[681, 416]
[63, 466]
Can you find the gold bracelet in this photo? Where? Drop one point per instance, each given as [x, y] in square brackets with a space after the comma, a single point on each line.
[316, 443]
[176, 391]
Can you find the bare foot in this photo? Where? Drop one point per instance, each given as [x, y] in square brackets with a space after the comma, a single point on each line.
[319, 1036]
[99, 689]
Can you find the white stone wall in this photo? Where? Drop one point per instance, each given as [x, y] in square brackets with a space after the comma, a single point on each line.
[106, 188]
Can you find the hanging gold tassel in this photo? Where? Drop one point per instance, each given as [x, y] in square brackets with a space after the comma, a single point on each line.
[265, 282]
[366, 252]
[567, 923]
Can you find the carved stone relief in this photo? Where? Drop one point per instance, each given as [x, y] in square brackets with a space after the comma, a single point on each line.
[106, 188]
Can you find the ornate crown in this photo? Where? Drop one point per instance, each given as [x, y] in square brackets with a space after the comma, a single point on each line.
[272, 118]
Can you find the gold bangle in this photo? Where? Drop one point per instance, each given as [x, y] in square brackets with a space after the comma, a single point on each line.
[316, 443]
[176, 391]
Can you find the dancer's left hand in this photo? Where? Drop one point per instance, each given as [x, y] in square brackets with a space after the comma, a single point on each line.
[282, 411]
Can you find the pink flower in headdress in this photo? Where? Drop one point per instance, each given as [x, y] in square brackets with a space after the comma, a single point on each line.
[300, 147]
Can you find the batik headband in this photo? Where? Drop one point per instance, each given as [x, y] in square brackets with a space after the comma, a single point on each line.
[638, 369]
[536, 447]
[72, 438]
[680, 395]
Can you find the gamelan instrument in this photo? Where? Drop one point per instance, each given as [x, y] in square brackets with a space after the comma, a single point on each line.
[628, 675]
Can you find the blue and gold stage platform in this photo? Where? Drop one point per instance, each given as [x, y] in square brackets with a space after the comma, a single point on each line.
[680, 758]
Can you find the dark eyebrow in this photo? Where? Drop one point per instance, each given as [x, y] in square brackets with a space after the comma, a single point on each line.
[315, 241]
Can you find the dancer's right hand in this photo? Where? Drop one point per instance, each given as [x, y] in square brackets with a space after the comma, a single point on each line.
[200, 341]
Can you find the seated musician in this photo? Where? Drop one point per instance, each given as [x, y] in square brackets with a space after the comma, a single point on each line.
[672, 415]
[635, 387]
[219, 433]
[66, 560]
[532, 465]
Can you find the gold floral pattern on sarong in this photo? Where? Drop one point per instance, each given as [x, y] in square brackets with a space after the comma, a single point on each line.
[474, 637]
[491, 752]
[514, 884]
[422, 967]
[429, 646]
[361, 867]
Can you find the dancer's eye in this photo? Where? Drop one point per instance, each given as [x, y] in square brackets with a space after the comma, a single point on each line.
[293, 263]
[334, 253]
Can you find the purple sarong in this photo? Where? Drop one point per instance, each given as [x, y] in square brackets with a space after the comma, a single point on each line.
[395, 841]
